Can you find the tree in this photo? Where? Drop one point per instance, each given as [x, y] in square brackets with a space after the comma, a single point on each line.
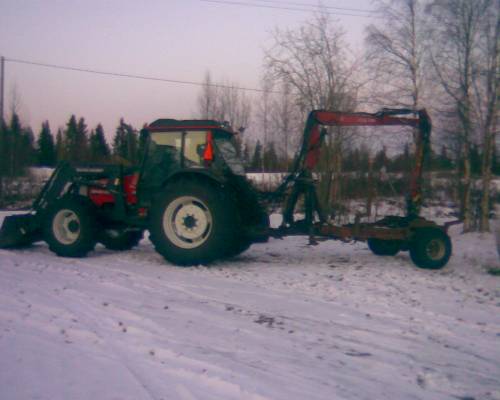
[456, 31]
[3, 155]
[125, 145]
[60, 148]
[13, 142]
[207, 99]
[224, 101]
[265, 111]
[256, 163]
[314, 61]
[70, 140]
[286, 118]
[98, 147]
[46, 151]
[487, 102]
[396, 52]
[270, 158]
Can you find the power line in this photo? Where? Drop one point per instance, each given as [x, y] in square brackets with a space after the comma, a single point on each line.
[318, 7]
[254, 5]
[134, 76]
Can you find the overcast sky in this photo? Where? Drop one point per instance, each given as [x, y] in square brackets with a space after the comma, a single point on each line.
[178, 40]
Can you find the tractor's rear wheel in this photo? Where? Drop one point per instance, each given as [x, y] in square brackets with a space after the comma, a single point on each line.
[70, 227]
[192, 223]
[239, 247]
[120, 238]
[382, 247]
[430, 248]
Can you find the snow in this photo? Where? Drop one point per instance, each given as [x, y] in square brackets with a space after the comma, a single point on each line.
[282, 321]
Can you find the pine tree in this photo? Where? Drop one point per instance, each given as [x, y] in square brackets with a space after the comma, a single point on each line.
[246, 154]
[13, 142]
[271, 158]
[27, 151]
[60, 148]
[143, 135]
[125, 144]
[82, 140]
[380, 159]
[46, 152]
[3, 155]
[98, 147]
[70, 140]
[256, 164]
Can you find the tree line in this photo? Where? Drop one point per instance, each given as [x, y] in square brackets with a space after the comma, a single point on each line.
[21, 148]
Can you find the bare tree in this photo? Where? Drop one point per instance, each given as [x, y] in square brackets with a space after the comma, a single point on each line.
[396, 52]
[315, 62]
[456, 32]
[286, 121]
[207, 98]
[224, 101]
[487, 96]
[264, 115]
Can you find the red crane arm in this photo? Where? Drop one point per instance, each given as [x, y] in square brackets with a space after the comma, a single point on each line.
[312, 139]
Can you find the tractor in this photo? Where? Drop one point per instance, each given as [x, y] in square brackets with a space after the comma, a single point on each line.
[191, 193]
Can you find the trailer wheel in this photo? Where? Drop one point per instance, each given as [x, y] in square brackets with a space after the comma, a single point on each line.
[192, 223]
[70, 227]
[382, 247]
[430, 248]
[120, 239]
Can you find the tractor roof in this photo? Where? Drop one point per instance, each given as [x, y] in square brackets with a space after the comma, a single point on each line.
[188, 124]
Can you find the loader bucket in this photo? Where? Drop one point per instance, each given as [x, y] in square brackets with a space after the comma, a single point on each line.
[19, 230]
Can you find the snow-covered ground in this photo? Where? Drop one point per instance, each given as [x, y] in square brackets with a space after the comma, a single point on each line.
[282, 321]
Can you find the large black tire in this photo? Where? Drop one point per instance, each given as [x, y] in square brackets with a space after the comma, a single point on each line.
[69, 228]
[382, 247]
[239, 247]
[192, 223]
[120, 238]
[430, 248]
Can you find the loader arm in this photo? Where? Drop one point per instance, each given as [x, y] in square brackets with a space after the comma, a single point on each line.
[312, 141]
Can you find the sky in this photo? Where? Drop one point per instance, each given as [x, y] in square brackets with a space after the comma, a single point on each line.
[178, 40]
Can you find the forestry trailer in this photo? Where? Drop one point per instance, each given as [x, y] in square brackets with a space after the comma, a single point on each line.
[190, 192]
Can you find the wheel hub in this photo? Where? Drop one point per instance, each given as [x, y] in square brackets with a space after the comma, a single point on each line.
[66, 226]
[190, 222]
[187, 222]
[73, 226]
[435, 249]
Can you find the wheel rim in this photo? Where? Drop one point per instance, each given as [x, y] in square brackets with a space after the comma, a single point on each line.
[435, 249]
[187, 222]
[66, 226]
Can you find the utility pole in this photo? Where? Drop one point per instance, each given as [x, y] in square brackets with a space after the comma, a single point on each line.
[2, 73]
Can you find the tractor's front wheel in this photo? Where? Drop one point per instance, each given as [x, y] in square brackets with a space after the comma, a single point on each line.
[192, 223]
[70, 227]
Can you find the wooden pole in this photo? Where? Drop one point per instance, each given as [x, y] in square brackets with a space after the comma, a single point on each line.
[2, 74]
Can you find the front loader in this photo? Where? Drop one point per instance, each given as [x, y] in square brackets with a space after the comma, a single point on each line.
[190, 192]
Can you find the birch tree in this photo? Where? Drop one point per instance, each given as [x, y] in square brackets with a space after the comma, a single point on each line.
[456, 32]
[395, 50]
[314, 60]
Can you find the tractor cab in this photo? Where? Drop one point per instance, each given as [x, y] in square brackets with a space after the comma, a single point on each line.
[180, 146]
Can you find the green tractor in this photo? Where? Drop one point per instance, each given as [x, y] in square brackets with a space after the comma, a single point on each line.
[190, 192]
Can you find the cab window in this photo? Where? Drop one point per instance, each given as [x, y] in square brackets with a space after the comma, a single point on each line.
[194, 143]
